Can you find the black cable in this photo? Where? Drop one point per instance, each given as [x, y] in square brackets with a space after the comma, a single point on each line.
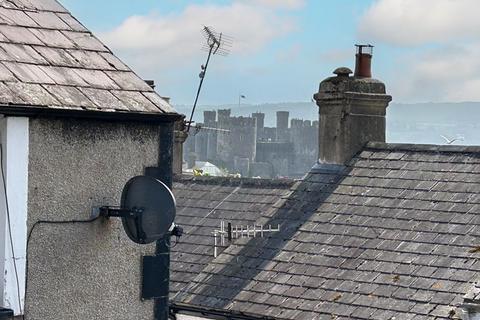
[177, 240]
[56, 222]
[39, 222]
[4, 183]
[29, 235]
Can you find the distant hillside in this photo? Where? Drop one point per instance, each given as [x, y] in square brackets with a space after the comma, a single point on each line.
[409, 123]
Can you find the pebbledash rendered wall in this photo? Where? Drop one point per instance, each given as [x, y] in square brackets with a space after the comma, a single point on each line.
[84, 271]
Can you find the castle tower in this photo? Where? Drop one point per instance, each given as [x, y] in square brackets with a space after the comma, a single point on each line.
[282, 126]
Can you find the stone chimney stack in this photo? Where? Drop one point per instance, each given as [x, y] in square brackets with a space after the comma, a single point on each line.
[352, 112]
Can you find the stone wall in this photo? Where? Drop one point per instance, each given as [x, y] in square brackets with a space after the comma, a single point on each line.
[280, 155]
[304, 136]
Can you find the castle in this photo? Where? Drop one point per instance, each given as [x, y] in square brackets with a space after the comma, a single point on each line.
[244, 145]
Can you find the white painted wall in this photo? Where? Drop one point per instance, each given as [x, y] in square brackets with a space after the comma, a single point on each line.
[14, 136]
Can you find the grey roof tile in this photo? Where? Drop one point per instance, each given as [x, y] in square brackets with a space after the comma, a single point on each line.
[34, 38]
[56, 56]
[70, 96]
[6, 75]
[16, 17]
[64, 76]
[42, 5]
[31, 93]
[28, 73]
[97, 79]
[134, 100]
[195, 250]
[8, 97]
[387, 244]
[21, 35]
[85, 41]
[114, 61]
[73, 23]
[104, 99]
[20, 53]
[128, 81]
[48, 20]
[52, 38]
[91, 60]
[8, 5]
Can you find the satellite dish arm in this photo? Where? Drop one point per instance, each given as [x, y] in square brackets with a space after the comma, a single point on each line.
[108, 212]
[136, 213]
[138, 221]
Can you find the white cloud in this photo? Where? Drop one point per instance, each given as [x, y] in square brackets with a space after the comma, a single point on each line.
[413, 22]
[286, 4]
[439, 61]
[164, 41]
[449, 73]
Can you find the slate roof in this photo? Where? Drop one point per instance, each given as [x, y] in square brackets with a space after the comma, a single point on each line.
[202, 203]
[48, 59]
[393, 235]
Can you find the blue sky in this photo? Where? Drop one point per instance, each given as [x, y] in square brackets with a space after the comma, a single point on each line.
[425, 50]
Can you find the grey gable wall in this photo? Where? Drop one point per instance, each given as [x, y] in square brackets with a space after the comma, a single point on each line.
[83, 271]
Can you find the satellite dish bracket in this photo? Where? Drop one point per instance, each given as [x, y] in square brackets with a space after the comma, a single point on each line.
[147, 210]
[135, 213]
[117, 212]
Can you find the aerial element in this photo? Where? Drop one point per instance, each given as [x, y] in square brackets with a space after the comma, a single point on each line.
[217, 44]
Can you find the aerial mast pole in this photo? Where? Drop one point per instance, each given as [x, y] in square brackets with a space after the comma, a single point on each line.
[217, 43]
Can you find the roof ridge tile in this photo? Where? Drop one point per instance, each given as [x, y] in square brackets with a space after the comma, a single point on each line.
[421, 147]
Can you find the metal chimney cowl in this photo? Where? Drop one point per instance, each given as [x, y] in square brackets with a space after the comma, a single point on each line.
[352, 112]
[363, 61]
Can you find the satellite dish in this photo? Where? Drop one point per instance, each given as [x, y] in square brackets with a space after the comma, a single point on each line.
[147, 209]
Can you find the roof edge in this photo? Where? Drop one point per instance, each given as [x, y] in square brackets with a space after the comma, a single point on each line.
[235, 181]
[421, 147]
[190, 309]
[33, 112]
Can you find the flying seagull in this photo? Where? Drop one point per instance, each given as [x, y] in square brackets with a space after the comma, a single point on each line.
[451, 141]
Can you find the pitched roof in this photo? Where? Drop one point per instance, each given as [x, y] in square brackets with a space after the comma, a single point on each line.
[394, 234]
[202, 203]
[49, 60]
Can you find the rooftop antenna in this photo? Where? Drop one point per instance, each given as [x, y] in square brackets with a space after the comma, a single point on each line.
[217, 44]
[239, 231]
[199, 128]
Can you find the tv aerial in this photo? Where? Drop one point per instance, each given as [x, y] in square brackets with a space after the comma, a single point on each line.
[147, 209]
[216, 44]
[239, 231]
[199, 128]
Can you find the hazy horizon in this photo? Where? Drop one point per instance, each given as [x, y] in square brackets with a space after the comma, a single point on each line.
[423, 123]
